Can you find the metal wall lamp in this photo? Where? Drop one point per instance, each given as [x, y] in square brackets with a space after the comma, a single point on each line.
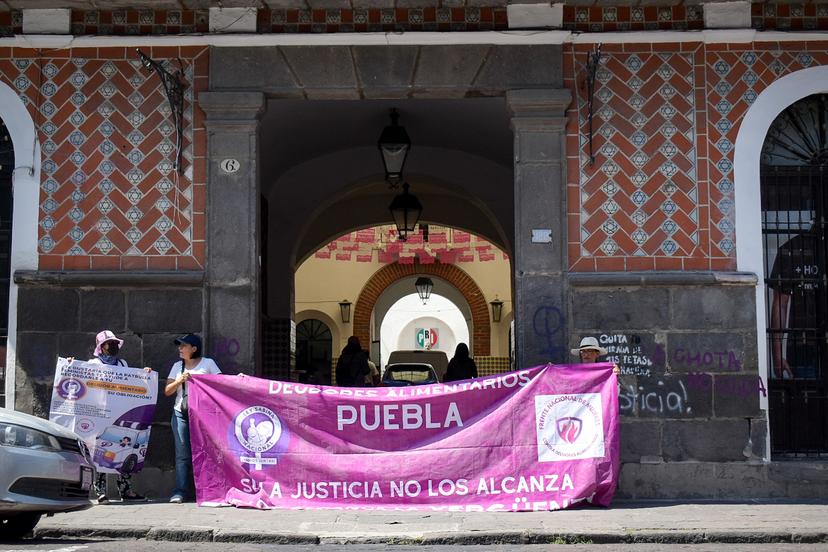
[497, 309]
[174, 88]
[345, 311]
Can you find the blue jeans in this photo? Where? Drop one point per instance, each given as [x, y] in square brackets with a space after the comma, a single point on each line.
[183, 454]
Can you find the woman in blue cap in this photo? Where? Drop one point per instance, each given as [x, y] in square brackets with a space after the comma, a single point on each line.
[192, 362]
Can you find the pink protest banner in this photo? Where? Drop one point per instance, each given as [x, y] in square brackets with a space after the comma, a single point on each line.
[539, 439]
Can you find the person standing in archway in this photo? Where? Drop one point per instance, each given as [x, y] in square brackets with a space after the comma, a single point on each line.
[352, 366]
[461, 366]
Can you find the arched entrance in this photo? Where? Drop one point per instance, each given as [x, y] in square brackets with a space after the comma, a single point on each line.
[794, 190]
[6, 165]
[314, 349]
[386, 276]
[24, 187]
[747, 154]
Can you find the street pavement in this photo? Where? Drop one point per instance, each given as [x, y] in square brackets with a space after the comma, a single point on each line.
[624, 522]
[119, 545]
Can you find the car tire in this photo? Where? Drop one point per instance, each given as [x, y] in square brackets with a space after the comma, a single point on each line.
[129, 464]
[18, 526]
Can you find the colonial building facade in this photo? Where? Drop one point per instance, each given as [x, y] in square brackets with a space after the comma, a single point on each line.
[654, 174]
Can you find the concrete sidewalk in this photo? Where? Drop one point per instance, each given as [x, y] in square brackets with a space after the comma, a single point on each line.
[651, 521]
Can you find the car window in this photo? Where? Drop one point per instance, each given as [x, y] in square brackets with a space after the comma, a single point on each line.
[413, 375]
[436, 358]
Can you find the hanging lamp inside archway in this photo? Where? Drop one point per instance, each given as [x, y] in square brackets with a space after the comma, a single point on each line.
[405, 211]
[424, 286]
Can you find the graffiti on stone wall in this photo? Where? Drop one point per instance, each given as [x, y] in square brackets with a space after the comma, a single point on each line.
[744, 388]
[677, 382]
[225, 352]
[655, 397]
[722, 360]
[547, 323]
[628, 353]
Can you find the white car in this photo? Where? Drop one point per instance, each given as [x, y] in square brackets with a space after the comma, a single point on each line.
[438, 359]
[44, 469]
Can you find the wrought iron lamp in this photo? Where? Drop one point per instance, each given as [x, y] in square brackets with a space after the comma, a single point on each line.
[497, 309]
[174, 88]
[345, 311]
[405, 210]
[394, 144]
[424, 286]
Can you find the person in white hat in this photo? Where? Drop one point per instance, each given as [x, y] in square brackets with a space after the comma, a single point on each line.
[589, 350]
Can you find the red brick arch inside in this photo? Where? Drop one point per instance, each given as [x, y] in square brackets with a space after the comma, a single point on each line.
[389, 274]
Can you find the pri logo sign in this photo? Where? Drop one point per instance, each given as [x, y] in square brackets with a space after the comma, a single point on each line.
[569, 427]
[257, 430]
[426, 338]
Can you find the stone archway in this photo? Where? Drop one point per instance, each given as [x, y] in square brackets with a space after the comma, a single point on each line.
[458, 278]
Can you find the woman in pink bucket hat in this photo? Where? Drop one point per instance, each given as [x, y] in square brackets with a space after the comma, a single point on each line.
[107, 347]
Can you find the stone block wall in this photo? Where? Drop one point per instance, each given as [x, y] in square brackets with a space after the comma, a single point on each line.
[690, 387]
[62, 318]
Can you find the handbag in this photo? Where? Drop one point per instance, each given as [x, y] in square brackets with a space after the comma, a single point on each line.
[185, 406]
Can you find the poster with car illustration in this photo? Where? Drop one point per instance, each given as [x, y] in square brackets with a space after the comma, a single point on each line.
[110, 407]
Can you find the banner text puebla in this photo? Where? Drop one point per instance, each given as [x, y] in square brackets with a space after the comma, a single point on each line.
[539, 439]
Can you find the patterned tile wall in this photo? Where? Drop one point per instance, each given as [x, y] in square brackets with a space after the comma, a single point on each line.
[789, 17]
[632, 18]
[490, 365]
[139, 22]
[736, 75]
[660, 192]
[438, 17]
[383, 20]
[110, 195]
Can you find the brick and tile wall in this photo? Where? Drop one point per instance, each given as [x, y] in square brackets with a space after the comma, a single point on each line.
[111, 197]
[659, 192]
[441, 16]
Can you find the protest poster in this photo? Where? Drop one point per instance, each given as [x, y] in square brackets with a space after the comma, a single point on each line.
[110, 407]
[544, 438]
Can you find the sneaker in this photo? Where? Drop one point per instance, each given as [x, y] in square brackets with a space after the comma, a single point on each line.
[132, 495]
[176, 499]
[102, 498]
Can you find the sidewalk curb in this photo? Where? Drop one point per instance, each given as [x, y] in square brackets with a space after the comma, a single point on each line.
[200, 534]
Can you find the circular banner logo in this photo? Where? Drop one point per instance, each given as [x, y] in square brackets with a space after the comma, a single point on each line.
[257, 430]
[71, 389]
[569, 426]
